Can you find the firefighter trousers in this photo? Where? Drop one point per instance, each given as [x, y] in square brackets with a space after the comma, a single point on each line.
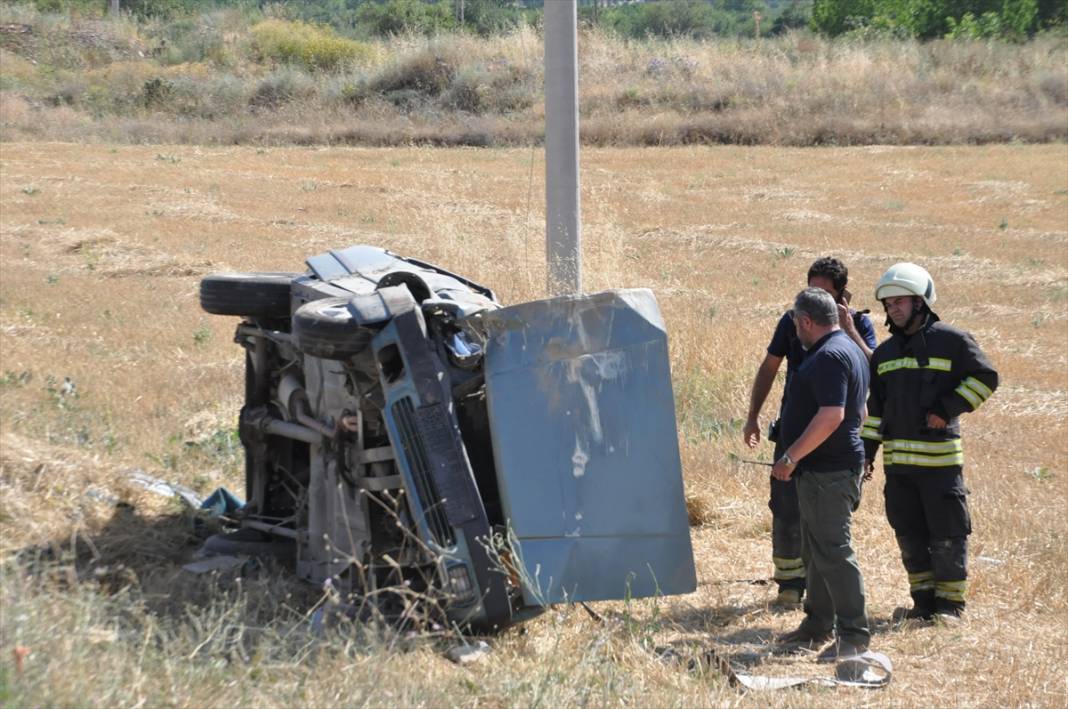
[929, 514]
[786, 535]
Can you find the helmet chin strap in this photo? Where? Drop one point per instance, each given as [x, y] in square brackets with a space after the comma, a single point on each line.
[919, 310]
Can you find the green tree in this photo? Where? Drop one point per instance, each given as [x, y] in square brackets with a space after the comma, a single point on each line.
[930, 19]
[835, 17]
[1052, 13]
[488, 17]
[794, 16]
[1019, 18]
[340, 14]
[385, 17]
[669, 18]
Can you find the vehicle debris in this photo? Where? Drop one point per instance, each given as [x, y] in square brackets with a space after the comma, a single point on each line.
[468, 654]
[163, 488]
[405, 431]
[217, 563]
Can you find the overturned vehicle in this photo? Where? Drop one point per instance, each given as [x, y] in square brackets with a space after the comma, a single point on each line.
[405, 431]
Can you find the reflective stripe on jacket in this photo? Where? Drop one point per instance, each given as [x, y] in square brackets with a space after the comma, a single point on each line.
[939, 370]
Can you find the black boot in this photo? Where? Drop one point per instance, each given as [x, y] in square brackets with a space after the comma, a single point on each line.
[949, 610]
[923, 607]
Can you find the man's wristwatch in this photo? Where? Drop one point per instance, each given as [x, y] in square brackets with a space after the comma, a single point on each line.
[788, 461]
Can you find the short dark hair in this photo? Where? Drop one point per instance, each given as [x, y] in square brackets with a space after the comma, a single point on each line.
[830, 268]
[818, 305]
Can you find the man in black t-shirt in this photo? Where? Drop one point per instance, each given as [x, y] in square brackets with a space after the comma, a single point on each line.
[820, 435]
[831, 275]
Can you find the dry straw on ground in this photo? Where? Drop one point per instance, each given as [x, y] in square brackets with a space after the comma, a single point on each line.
[106, 363]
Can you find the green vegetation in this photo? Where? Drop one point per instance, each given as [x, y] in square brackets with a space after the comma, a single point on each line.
[309, 46]
[364, 19]
[930, 19]
[273, 75]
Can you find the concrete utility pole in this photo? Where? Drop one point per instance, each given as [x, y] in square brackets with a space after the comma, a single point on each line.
[113, 7]
[562, 239]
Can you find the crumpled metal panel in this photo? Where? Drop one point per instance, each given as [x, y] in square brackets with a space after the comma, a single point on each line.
[582, 417]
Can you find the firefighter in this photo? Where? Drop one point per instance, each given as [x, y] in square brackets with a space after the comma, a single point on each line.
[923, 378]
[831, 275]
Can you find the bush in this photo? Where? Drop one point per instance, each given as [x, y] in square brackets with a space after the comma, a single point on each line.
[193, 91]
[931, 19]
[281, 87]
[986, 26]
[499, 87]
[188, 40]
[794, 16]
[835, 17]
[315, 48]
[404, 16]
[428, 72]
[491, 17]
[671, 18]
[117, 88]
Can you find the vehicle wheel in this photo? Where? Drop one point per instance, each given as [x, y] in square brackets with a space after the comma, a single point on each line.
[254, 295]
[326, 328]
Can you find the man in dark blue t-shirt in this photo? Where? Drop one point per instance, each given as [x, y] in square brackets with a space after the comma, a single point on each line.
[831, 275]
[820, 435]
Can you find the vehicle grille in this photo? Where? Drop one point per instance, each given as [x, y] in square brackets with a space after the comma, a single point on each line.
[418, 463]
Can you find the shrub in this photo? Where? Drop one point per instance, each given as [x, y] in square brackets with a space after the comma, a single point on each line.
[671, 18]
[429, 71]
[187, 40]
[117, 88]
[930, 19]
[404, 16]
[193, 91]
[281, 87]
[700, 19]
[835, 17]
[499, 87]
[796, 15]
[315, 48]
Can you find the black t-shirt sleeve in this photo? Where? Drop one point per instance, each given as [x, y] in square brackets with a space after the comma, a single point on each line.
[780, 341]
[866, 329]
[830, 380]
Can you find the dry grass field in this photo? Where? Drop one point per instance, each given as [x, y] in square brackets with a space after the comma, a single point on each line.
[107, 363]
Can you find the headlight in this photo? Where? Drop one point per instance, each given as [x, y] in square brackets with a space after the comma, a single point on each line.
[460, 584]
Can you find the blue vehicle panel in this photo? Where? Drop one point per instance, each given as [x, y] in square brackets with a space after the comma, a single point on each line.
[583, 422]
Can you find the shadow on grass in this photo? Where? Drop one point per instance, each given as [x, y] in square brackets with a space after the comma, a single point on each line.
[710, 618]
[144, 555]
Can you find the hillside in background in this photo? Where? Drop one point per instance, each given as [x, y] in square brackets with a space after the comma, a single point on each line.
[250, 75]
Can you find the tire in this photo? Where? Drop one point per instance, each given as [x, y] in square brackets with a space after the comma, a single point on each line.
[326, 329]
[252, 295]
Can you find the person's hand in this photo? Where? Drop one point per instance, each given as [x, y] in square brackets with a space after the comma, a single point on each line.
[751, 433]
[869, 469]
[935, 421]
[845, 320]
[781, 471]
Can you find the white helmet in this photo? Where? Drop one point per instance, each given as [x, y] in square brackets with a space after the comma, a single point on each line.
[906, 279]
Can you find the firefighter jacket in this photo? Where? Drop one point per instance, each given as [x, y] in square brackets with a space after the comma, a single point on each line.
[939, 369]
